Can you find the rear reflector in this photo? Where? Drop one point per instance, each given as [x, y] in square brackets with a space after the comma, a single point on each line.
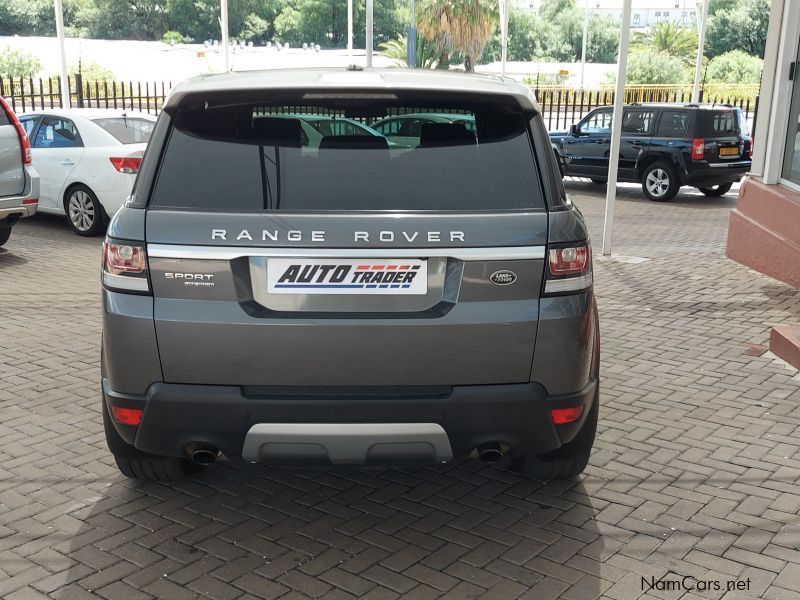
[562, 416]
[127, 416]
[31, 201]
[127, 164]
[698, 148]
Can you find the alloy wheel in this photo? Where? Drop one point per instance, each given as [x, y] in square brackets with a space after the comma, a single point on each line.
[657, 182]
[81, 210]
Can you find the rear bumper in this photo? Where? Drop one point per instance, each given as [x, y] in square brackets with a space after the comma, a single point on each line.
[179, 416]
[711, 174]
[13, 208]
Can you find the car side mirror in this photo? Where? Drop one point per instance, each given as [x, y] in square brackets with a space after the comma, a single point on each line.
[573, 129]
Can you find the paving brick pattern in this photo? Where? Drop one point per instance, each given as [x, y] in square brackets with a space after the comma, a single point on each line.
[695, 472]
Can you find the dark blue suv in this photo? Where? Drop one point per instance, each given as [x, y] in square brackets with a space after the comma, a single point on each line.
[664, 147]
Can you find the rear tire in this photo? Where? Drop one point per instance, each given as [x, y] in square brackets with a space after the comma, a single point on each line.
[569, 460]
[660, 182]
[5, 233]
[143, 466]
[84, 212]
[717, 190]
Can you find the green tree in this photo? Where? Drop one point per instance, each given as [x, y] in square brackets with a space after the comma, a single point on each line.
[91, 71]
[16, 63]
[669, 38]
[652, 67]
[735, 67]
[397, 50]
[603, 40]
[463, 27]
[255, 29]
[741, 25]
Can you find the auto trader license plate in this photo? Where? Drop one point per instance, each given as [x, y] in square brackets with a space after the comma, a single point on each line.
[731, 151]
[369, 277]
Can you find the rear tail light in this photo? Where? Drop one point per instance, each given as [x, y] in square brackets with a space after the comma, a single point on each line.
[127, 164]
[24, 142]
[127, 416]
[569, 268]
[562, 416]
[698, 148]
[30, 201]
[125, 266]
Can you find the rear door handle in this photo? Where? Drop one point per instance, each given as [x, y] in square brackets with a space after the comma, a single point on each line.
[68, 162]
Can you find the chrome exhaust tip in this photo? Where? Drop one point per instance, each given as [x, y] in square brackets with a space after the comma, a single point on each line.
[490, 453]
[204, 455]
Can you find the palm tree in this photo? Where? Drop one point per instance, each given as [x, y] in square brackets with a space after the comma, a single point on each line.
[669, 38]
[458, 26]
[397, 50]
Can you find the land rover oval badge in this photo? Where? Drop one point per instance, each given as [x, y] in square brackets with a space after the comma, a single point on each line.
[503, 277]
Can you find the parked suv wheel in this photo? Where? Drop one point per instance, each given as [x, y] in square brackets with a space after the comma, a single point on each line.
[717, 190]
[660, 182]
[5, 233]
[84, 211]
[569, 460]
[135, 464]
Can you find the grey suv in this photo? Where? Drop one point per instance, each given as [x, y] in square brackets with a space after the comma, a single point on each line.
[19, 181]
[360, 304]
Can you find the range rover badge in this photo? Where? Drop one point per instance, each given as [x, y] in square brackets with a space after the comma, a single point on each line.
[503, 277]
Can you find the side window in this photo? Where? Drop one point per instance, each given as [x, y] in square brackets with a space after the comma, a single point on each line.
[599, 122]
[673, 124]
[56, 132]
[637, 122]
[389, 127]
[4, 120]
[412, 127]
[29, 124]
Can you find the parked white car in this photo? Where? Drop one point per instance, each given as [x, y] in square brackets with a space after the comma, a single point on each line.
[87, 160]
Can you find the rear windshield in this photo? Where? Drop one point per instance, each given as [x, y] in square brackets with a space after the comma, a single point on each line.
[128, 131]
[324, 156]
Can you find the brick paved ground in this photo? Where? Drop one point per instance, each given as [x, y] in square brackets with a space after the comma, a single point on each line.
[695, 471]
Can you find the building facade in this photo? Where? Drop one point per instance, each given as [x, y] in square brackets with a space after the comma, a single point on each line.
[644, 15]
[764, 230]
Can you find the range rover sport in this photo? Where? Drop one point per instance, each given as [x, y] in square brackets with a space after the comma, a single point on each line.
[352, 303]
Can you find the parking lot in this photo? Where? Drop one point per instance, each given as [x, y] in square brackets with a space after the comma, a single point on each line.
[693, 481]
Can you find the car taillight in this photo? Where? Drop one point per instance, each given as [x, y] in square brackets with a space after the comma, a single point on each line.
[127, 164]
[569, 268]
[24, 142]
[125, 266]
[698, 148]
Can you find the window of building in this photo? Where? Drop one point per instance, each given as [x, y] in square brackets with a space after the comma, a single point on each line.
[791, 153]
[636, 19]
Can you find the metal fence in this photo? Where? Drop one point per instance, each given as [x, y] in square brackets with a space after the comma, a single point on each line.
[27, 93]
[561, 106]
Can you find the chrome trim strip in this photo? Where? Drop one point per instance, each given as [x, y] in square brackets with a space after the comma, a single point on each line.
[120, 282]
[231, 252]
[345, 443]
[729, 165]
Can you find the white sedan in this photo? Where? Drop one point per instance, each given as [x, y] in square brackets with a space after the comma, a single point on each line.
[87, 160]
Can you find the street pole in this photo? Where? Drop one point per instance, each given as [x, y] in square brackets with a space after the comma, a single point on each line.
[224, 26]
[65, 100]
[369, 33]
[616, 126]
[503, 35]
[411, 43]
[585, 41]
[701, 39]
[350, 28]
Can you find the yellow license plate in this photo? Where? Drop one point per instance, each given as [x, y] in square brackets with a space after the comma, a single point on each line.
[729, 151]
